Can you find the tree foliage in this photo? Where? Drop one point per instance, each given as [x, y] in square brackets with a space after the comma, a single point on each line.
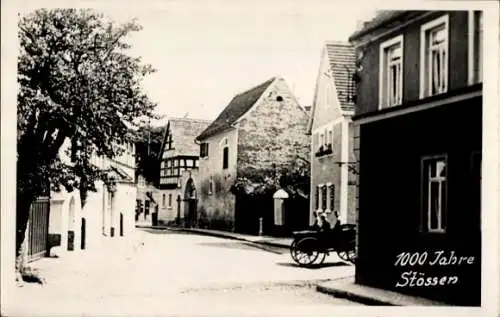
[78, 84]
[148, 156]
[293, 177]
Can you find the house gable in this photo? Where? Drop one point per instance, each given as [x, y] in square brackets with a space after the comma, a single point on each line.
[334, 87]
[182, 132]
[238, 106]
[273, 132]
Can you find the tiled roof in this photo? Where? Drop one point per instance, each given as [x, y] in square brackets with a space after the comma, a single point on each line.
[184, 132]
[342, 62]
[238, 106]
[343, 65]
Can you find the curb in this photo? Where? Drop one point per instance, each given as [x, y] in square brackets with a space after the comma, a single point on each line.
[215, 234]
[228, 236]
[353, 297]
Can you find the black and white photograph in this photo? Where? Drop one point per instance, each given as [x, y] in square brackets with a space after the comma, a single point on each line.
[250, 158]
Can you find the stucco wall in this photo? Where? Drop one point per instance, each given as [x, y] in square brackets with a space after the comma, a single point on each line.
[218, 206]
[325, 169]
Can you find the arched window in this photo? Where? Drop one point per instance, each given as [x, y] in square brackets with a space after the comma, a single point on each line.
[225, 154]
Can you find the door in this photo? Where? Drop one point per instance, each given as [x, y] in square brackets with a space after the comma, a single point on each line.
[38, 228]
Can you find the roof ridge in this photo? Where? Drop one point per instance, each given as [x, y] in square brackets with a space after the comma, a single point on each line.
[237, 107]
[256, 86]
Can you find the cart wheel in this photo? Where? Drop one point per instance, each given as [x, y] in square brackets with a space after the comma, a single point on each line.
[347, 255]
[305, 251]
[321, 258]
[292, 247]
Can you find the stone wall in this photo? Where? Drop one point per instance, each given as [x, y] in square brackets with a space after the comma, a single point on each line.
[273, 132]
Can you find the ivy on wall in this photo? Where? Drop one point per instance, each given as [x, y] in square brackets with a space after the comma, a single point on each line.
[294, 178]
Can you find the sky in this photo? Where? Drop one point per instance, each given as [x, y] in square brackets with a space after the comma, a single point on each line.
[207, 52]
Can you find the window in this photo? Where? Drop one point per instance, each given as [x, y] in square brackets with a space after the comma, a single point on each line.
[175, 163]
[204, 149]
[170, 200]
[225, 157]
[169, 142]
[169, 163]
[321, 139]
[189, 163]
[195, 163]
[391, 73]
[434, 194]
[323, 197]
[476, 42]
[163, 200]
[331, 192]
[211, 186]
[434, 57]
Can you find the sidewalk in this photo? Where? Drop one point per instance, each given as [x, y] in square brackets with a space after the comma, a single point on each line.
[346, 288]
[265, 240]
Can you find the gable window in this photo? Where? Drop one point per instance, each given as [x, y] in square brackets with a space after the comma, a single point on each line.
[476, 42]
[434, 194]
[330, 142]
[391, 73]
[434, 57]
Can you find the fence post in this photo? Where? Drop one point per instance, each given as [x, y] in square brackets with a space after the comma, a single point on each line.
[261, 226]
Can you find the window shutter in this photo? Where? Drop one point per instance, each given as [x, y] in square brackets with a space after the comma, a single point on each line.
[323, 197]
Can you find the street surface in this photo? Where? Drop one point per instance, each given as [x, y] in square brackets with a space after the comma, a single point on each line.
[172, 273]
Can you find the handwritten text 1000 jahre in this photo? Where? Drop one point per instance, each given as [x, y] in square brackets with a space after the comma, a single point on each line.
[438, 258]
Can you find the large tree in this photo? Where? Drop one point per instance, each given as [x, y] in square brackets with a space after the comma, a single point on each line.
[77, 82]
[148, 156]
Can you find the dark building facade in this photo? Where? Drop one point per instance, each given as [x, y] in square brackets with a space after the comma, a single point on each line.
[418, 140]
